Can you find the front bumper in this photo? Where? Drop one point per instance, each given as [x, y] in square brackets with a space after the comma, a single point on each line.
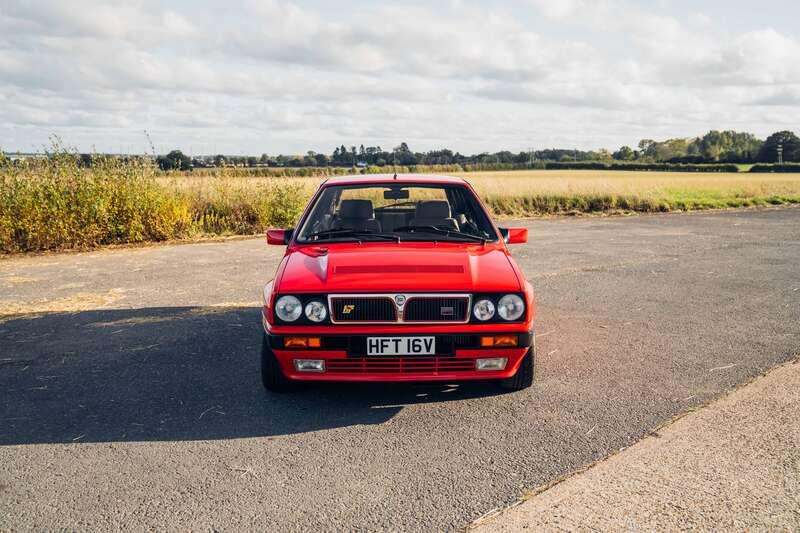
[346, 360]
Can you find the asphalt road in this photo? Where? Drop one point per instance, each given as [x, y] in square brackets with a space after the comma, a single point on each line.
[131, 395]
[733, 465]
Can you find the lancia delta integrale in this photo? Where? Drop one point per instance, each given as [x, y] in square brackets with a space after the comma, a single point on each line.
[397, 278]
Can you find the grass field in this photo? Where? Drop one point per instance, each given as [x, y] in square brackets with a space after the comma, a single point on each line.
[536, 192]
[56, 204]
[525, 193]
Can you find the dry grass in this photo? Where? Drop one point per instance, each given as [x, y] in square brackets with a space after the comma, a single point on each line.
[535, 192]
[57, 204]
[524, 193]
[81, 301]
[625, 182]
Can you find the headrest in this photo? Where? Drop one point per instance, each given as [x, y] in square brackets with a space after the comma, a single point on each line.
[355, 209]
[433, 209]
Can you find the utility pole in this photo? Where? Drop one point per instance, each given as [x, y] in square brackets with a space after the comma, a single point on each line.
[780, 154]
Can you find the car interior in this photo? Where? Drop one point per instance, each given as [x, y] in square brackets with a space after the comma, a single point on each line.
[389, 209]
[360, 215]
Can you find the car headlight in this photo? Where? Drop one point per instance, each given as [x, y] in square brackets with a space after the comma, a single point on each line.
[510, 307]
[288, 308]
[316, 311]
[483, 310]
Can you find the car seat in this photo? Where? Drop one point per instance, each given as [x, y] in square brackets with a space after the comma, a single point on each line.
[357, 215]
[434, 213]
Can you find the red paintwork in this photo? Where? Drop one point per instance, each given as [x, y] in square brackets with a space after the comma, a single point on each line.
[276, 236]
[514, 356]
[517, 235]
[405, 267]
[475, 268]
[390, 178]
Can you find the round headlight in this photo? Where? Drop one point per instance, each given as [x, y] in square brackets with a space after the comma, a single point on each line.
[510, 307]
[288, 308]
[315, 311]
[483, 309]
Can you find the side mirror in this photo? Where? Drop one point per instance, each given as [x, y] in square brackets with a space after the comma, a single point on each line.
[280, 237]
[514, 235]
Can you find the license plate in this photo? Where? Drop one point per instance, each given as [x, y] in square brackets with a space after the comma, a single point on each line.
[401, 345]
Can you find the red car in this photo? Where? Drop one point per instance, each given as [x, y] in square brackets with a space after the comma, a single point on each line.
[397, 278]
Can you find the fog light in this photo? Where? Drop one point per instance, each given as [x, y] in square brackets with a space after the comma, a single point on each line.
[301, 342]
[312, 365]
[491, 363]
[499, 341]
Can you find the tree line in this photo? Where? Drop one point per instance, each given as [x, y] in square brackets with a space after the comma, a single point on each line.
[713, 147]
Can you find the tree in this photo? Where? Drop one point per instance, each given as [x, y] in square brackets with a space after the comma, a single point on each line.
[625, 153]
[786, 140]
[403, 156]
[175, 160]
[604, 155]
[647, 148]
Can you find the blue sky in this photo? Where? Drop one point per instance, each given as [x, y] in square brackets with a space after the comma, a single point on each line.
[282, 77]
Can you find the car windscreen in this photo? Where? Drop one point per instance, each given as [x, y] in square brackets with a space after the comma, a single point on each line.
[397, 211]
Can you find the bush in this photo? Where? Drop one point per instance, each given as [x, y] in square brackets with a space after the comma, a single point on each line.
[786, 167]
[656, 167]
[56, 203]
[267, 172]
[576, 165]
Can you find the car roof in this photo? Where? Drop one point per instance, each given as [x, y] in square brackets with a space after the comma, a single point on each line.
[367, 179]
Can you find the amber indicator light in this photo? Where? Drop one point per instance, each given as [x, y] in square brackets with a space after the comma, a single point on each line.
[302, 342]
[498, 341]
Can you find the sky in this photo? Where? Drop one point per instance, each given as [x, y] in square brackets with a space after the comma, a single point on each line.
[274, 76]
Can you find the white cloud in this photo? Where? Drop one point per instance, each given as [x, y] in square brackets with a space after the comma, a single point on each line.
[277, 76]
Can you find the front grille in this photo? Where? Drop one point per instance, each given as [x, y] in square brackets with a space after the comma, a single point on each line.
[363, 309]
[399, 365]
[436, 309]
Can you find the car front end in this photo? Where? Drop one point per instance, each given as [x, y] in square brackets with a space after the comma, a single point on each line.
[397, 280]
[399, 336]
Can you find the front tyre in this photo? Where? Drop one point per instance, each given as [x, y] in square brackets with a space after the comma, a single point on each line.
[271, 374]
[524, 376]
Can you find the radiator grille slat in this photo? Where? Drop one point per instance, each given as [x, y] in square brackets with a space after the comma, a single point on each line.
[399, 365]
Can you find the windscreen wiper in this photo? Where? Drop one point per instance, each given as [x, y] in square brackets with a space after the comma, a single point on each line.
[441, 231]
[358, 235]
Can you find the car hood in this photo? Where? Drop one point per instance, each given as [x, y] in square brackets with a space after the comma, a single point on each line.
[406, 267]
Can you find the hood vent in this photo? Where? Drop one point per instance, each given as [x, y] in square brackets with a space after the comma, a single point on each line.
[379, 269]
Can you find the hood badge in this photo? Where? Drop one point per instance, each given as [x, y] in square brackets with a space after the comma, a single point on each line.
[400, 300]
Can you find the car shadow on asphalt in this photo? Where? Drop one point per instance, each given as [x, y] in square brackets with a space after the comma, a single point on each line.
[169, 374]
